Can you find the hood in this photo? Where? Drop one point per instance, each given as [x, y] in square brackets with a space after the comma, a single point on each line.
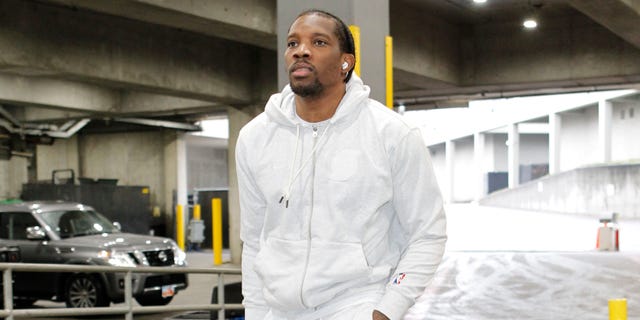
[281, 106]
[121, 240]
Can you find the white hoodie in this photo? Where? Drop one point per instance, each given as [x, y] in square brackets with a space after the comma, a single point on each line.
[336, 213]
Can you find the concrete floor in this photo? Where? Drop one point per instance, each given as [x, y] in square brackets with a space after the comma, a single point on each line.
[502, 264]
[494, 285]
[515, 264]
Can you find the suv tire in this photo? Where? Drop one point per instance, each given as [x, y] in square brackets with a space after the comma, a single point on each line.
[85, 291]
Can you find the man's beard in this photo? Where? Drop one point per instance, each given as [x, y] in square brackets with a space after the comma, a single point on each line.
[310, 90]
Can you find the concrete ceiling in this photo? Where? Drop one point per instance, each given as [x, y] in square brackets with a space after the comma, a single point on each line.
[573, 36]
[173, 57]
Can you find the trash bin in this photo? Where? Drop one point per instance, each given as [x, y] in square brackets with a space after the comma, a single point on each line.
[608, 234]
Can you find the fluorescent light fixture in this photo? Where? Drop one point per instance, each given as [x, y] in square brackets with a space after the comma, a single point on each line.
[479, 1]
[530, 23]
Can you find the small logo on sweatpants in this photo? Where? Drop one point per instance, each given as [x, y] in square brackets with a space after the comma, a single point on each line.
[399, 278]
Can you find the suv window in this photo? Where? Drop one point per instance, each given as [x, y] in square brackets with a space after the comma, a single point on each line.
[15, 224]
[73, 223]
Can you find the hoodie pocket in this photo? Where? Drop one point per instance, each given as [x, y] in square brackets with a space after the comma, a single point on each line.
[280, 265]
[333, 268]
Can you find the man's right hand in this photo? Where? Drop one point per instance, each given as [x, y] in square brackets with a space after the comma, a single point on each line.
[377, 315]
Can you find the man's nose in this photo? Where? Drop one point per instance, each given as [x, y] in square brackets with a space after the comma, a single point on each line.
[302, 51]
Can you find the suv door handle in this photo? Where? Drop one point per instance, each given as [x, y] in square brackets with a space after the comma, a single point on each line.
[60, 250]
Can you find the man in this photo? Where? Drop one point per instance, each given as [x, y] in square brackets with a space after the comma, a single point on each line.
[341, 214]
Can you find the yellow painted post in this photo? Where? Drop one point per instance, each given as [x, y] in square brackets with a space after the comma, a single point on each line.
[618, 309]
[388, 49]
[196, 212]
[355, 31]
[216, 230]
[180, 226]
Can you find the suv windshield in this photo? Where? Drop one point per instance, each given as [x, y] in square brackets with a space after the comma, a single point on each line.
[73, 223]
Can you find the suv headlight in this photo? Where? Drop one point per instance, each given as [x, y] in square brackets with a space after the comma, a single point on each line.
[179, 256]
[117, 259]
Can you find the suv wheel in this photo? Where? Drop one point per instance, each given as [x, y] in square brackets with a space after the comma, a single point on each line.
[153, 299]
[85, 291]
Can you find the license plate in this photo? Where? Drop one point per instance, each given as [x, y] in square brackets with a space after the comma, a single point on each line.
[168, 291]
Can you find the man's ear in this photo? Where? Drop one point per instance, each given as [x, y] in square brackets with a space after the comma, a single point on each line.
[349, 59]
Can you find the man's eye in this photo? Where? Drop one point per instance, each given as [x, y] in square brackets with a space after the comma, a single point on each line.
[320, 43]
[291, 44]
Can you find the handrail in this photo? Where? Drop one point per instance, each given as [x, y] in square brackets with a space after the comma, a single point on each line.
[128, 310]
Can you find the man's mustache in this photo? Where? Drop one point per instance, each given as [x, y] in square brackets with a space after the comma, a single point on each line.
[301, 64]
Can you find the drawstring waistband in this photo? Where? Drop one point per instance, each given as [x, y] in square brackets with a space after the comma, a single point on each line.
[292, 177]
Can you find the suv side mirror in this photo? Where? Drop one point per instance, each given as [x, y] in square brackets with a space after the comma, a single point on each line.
[118, 226]
[35, 233]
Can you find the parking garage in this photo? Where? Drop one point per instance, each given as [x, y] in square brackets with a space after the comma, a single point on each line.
[102, 98]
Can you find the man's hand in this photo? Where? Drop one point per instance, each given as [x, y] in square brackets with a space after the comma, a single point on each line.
[377, 315]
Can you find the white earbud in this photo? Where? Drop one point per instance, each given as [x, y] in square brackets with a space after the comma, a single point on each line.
[344, 65]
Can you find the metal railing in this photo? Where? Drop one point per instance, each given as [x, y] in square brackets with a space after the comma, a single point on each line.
[128, 310]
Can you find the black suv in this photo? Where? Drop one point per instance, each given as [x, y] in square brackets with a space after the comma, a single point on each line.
[72, 233]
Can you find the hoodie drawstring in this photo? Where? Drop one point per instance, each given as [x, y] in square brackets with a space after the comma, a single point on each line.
[292, 176]
[285, 195]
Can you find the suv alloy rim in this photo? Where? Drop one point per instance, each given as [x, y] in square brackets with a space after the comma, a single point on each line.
[83, 292]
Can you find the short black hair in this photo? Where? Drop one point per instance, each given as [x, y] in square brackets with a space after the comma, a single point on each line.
[342, 32]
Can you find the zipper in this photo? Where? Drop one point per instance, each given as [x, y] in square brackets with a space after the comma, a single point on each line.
[313, 175]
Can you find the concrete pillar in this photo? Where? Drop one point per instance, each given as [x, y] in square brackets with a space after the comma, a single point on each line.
[170, 178]
[371, 16]
[478, 159]
[449, 156]
[175, 177]
[513, 155]
[604, 130]
[13, 173]
[555, 126]
[181, 172]
[237, 119]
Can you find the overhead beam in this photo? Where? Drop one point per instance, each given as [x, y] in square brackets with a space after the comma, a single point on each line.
[133, 102]
[123, 53]
[62, 99]
[248, 21]
[481, 92]
[161, 123]
[622, 17]
[54, 93]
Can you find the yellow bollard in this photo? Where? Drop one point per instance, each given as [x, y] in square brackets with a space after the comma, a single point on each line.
[216, 230]
[617, 309]
[196, 212]
[355, 32]
[180, 226]
[388, 57]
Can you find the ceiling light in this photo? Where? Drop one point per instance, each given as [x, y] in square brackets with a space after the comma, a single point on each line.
[530, 23]
[533, 8]
[479, 1]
